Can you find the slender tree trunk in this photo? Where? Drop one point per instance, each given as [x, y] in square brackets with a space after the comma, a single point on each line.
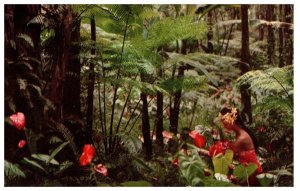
[174, 112]
[280, 38]
[146, 124]
[245, 58]
[159, 113]
[288, 43]
[261, 15]
[210, 47]
[91, 82]
[271, 38]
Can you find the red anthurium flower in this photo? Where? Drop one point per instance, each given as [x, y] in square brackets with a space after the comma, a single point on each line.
[193, 133]
[101, 169]
[175, 162]
[89, 149]
[167, 134]
[219, 147]
[18, 120]
[21, 144]
[87, 155]
[199, 141]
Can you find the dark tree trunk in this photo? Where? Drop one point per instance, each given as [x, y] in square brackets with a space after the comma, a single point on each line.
[280, 38]
[91, 82]
[210, 47]
[288, 35]
[71, 100]
[271, 38]
[245, 66]
[174, 112]
[146, 124]
[72, 116]
[159, 113]
[55, 89]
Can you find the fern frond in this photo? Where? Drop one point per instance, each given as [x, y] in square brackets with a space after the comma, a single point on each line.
[216, 68]
[146, 87]
[186, 83]
[69, 137]
[131, 143]
[12, 171]
[40, 20]
[273, 103]
[277, 80]
[26, 38]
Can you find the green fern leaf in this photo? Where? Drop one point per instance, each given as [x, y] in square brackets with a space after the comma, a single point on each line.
[12, 171]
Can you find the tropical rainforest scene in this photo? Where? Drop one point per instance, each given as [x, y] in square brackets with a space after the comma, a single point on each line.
[162, 95]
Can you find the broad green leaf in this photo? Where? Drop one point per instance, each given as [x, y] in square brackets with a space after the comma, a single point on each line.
[33, 163]
[140, 183]
[56, 151]
[12, 171]
[221, 162]
[44, 158]
[243, 173]
[191, 168]
[265, 179]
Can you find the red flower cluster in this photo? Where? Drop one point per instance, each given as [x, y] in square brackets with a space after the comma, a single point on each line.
[101, 169]
[87, 155]
[18, 120]
[21, 144]
[219, 147]
[199, 140]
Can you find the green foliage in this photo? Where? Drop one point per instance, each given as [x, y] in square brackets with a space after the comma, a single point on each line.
[191, 168]
[265, 179]
[243, 173]
[12, 171]
[68, 136]
[210, 182]
[46, 163]
[56, 151]
[44, 158]
[132, 143]
[187, 83]
[221, 162]
[140, 183]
